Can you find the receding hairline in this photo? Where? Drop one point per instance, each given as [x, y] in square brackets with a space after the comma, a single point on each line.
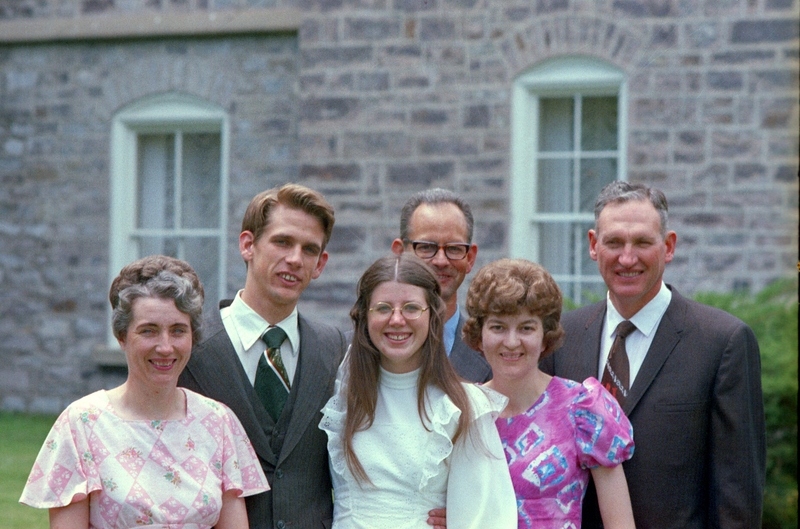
[439, 205]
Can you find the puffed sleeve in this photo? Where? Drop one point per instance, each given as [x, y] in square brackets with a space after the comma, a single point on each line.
[241, 469]
[64, 470]
[602, 431]
[479, 489]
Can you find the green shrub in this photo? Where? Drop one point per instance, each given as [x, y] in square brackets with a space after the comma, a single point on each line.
[772, 314]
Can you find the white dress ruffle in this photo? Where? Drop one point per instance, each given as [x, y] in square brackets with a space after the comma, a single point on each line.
[411, 465]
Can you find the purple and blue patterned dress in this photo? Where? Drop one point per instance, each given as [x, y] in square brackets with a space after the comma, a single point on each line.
[552, 447]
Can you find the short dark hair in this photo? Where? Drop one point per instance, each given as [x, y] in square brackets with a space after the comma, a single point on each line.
[618, 192]
[434, 196]
[256, 217]
[509, 286]
[158, 276]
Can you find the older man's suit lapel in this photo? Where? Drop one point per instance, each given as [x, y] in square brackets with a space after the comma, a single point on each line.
[667, 337]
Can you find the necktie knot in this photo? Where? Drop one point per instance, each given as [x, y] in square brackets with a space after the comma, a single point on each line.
[625, 328]
[274, 337]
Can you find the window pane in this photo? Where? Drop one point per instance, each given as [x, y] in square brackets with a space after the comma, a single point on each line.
[555, 248]
[555, 186]
[156, 182]
[203, 254]
[556, 124]
[595, 173]
[599, 124]
[201, 174]
[159, 245]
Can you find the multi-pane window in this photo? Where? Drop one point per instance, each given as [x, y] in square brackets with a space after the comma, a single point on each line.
[567, 145]
[169, 186]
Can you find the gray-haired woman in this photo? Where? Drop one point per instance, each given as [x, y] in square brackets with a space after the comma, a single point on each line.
[148, 452]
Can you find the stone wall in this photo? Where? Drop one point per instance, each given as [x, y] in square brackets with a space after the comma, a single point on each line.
[369, 101]
[56, 106]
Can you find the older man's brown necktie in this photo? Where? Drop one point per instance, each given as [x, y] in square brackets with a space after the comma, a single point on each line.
[617, 374]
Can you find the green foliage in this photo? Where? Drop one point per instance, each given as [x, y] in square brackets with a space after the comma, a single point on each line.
[21, 437]
[772, 314]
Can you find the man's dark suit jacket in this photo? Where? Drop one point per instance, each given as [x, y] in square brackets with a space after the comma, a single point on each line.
[697, 413]
[294, 452]
[469, 363]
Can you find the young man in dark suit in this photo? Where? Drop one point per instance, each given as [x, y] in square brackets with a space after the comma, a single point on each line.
[283, 238]
[692, 389]
[437, 225]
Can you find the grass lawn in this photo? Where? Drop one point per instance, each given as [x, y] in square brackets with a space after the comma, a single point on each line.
[21, 437]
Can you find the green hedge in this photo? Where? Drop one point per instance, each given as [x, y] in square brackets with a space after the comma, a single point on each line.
[772, 314]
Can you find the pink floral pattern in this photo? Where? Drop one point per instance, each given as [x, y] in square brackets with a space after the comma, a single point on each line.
[551, 448]
[164, 473]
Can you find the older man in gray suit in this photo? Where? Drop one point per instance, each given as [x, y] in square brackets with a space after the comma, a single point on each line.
[437, 226]
[688, 376]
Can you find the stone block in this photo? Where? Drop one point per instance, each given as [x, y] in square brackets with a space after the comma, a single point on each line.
[324, 109]
[376, 144]
[750, 172]
[743, 57]
[778, 113]
[644, 8]
[761, 31]
[447, 145]
[415, 5]
[419, 175]
[430, 116]
[786, 173]
[436, 28]
[335, 56]
[372, 29]
[477, 116]
[725, 80]
[341, 173]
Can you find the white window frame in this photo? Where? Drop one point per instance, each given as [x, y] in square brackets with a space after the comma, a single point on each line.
[558, 77]
[163, 113]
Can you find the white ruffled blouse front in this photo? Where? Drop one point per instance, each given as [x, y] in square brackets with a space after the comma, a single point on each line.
[414, 469]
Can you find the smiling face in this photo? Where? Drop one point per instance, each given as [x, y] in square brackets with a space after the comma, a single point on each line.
[442, 223]
[512, 344]
[399, 340]
[282, 262]
[631, 253]
[158, 342]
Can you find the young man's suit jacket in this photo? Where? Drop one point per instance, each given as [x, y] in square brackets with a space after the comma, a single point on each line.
[294, 452]
[697, 413]
[468, 363]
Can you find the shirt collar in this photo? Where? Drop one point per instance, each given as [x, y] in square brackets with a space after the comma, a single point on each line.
[648, 316]
[251, 326]
[450, 327]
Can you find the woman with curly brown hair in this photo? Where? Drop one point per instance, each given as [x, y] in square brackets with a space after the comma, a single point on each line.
[555, 432]
[405, 434]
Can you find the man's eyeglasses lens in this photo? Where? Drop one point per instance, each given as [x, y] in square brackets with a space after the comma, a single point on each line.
[426, 250]
[410, 311]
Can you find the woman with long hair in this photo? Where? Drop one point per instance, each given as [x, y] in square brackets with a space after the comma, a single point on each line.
[405, 434]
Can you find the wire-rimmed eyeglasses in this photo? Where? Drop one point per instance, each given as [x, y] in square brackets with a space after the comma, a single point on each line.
[410, 311]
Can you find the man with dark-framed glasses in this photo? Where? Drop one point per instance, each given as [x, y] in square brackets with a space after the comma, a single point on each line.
[436, 225]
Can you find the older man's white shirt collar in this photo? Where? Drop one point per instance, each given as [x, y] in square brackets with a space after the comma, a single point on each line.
[648, 317]
[638, 343]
